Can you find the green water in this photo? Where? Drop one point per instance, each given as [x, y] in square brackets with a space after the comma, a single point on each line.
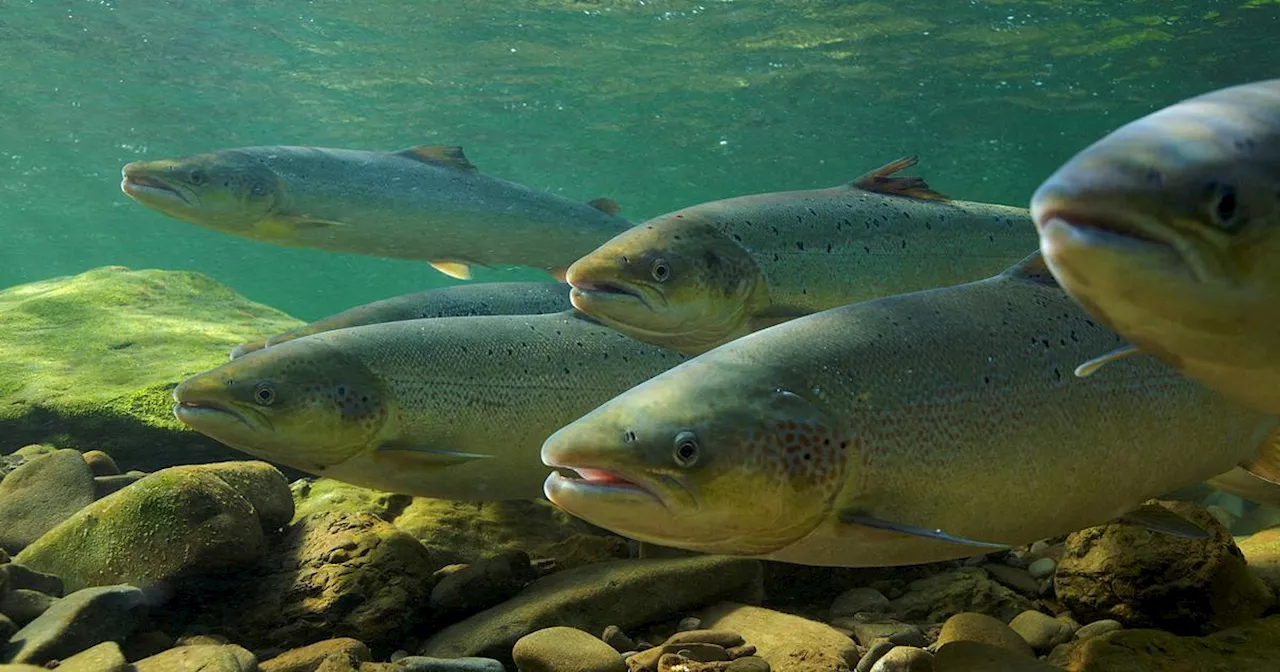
[657, 104]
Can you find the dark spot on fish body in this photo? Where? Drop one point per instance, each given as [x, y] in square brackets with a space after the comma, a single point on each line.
[800, 245]
[1057, 374]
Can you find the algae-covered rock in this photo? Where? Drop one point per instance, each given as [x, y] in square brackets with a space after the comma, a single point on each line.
[454, 532]
[76, 622]
[41, 493]
[1252, 647]
[334, 574]
[174, 523]
[624, 593]
[1151, 579]
[1262, 552]
[786, 641]
[90, 360]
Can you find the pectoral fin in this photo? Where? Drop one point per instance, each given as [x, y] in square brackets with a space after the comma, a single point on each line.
[1159, 519]
[1090, 367]
[1266, 464]
[283, 226]
[853, 517]
[454, 269]
[432, 456]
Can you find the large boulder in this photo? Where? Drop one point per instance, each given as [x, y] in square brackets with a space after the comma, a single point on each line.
[90, 360]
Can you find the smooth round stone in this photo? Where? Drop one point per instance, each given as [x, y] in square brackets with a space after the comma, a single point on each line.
[559, 649]
[970, 626]
[100, 463]
[1097, 628]
[1041, 631]
[615, 637]
[1042, 568]
[904, 659]
[859, 600]
[689, 623]
[748, 664]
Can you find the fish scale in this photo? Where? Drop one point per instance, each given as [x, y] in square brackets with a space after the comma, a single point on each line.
[951, 423]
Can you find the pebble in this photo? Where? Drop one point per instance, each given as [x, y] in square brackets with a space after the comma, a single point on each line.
[1016, 578]
[1041, 631]
[78, 621]
[473, 588]
[725, 638]
[21, 576]
[308, 658]
[904, 659]
[1042, 568]
[971, 626]
[559, 648]
[688, 623]
[40, 494]
[979, 657]
[873, 655]
[702, 653]
[200, 658]
[901, 634]
[105, 485]
[427, 664]
[858, 600]
[1097, 628]
[24, 606]
[100, 463]
[105, 657]
[741, 651]
[748, 664]
[7, 628]
[615, 637]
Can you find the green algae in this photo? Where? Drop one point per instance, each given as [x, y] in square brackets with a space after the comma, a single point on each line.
[89, 361]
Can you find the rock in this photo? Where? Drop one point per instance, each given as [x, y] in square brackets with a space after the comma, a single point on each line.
[962, 656]
[583, 549]
[105, 657]
[100, 463]
[859, 600]
[24, 606]
[333, 575]
[481, 585]
[936, 598]
[425, 664]
[904, 659]
[200, 640]
[309, 658]
[1253, 647]
[1041, 631]
[975, 627]
[91, 359]
[105, 485]
[557, 649]
[1098, 628]
[900, 634]
[41, 493]
[1015, 577]
[625, 593]
[873, 655]
[723, 638]
[615, 637]
[7, 628]
[789, 643]
[19, 576]
[1262, 553]
[1149, 579]
[748, 664]
[177, 522]
[688, 624]
[202, 658]
[1042, 568]
[76, 622]
[145, 644]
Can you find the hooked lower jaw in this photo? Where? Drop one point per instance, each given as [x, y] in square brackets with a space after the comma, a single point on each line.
[590, 482]
[150, 190]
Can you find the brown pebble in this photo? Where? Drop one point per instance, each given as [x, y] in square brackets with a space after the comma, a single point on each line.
[702, 653]
[100, 463]
[615, 637]
[741, 651]
[726, 638]
[748, 664]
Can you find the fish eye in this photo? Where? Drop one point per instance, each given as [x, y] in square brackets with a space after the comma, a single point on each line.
[258, 189]
[197, 177]
[264, 393]
[1226, 207]
[660, 270]
[685, 450]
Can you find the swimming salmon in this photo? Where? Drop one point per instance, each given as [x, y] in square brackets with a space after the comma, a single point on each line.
[1168, 230]
[449, 407]
[482, 298]
[698, 277]
[425, 202]
[915, 428]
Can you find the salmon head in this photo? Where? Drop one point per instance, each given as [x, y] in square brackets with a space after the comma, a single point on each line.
[230, 191]
[674, 281]
[708, 456]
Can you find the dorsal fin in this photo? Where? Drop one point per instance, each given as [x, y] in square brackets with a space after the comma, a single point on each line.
[450, 156]
[881, 181]
[1032, 268]
[605, 205]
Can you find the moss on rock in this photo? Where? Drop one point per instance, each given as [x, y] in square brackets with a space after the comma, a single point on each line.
[91, 360]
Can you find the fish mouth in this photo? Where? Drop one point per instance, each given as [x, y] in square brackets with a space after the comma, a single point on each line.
[203, 414]
[144, 187]
[593, 481]
[605, 291]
